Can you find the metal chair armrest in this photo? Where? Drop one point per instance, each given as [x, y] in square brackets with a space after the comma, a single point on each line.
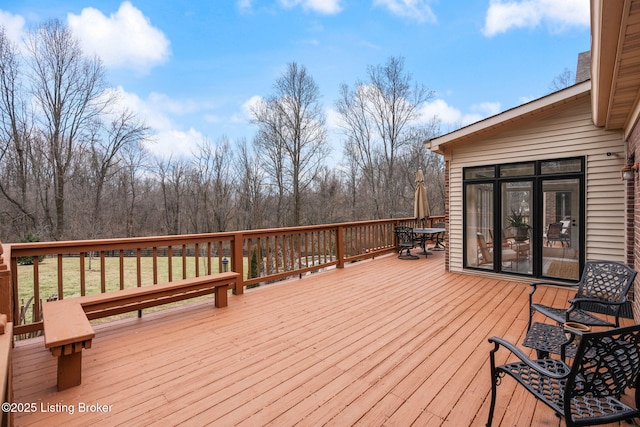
[535, 285]
[561, 285]
[578, 301]
[523, 357]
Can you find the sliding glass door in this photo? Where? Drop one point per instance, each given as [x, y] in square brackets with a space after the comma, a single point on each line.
[517, 226]
[561, 221]
[525, 218]
[479, 203]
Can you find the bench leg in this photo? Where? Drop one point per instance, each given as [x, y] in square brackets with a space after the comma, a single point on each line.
[221, 296]
[69, 370]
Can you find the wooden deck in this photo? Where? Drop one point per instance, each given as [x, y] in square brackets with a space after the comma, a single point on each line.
[384, 342]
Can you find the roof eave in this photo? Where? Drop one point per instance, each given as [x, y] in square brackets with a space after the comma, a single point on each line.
[510, 116]
[605, 36]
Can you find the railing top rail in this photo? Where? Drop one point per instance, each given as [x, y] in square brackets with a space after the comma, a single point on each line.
[325, 226]
[72, 246]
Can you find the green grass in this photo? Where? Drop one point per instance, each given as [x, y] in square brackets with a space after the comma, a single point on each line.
[48, 275]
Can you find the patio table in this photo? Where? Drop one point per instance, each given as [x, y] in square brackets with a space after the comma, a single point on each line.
[424, 232]
[545, 339]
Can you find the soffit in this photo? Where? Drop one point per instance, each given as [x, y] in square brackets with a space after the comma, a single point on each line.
[625, 68]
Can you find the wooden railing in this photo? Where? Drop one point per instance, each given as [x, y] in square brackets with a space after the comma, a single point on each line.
[6, 338]
[69, 269]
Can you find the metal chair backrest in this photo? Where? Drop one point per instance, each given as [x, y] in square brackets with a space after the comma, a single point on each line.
[404, 235]
[605, 365]
[608, 281]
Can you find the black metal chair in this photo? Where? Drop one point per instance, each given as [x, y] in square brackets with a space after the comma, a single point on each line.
[588, 391]
[406, 241]
[602, 289]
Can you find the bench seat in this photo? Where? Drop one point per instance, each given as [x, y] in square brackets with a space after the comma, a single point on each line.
[132, 299]
[66, 324]
[66, 332]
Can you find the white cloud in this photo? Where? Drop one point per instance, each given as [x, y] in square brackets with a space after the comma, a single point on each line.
[176, 143]
[417, 10]
[168, 139]
[504, 15]
[334, 120]
[244, 5]
[250, 104]
[487, 108]
[325, 7]
[13, 26]
[163, 102]
[125, 39]
[450, 116]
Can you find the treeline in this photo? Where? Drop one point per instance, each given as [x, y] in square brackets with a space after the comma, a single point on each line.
[73, 162]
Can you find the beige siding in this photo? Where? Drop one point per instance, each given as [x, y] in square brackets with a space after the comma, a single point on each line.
[565, 133]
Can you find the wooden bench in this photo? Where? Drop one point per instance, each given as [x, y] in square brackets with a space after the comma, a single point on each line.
[67, 330]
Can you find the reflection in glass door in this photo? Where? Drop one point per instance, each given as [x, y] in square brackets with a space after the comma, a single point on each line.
[517, 227]
[561, 222]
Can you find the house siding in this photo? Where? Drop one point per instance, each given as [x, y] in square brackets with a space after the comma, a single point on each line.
[567, 131]
[632, 214]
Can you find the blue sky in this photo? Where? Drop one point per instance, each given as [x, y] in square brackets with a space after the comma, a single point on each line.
[192, 68]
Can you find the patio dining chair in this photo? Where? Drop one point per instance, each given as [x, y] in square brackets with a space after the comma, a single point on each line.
[406, 241]
[602, 289]
[588, 391]
[486, 253]
[555, 233]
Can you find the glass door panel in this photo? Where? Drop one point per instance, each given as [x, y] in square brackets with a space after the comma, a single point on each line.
[561, 222]
[479, 225]
[516, 227]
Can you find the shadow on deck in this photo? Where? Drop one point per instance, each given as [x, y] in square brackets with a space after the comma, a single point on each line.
[381, 342]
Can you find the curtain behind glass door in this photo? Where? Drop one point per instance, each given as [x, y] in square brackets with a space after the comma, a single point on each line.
[479, 226]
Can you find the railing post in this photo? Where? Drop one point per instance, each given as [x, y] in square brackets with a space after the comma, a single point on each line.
[237, 261]
[340, 244]
[6, 293]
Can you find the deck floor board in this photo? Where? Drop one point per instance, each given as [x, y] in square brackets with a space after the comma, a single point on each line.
[383, 342]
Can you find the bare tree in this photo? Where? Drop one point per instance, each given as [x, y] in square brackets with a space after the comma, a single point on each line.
[377, 117]
[15, 139]
[361, 148]
[116, 134]
[212, 186]
[67, 88]
[131, 182]
[172, 174]
[563, 80]
[271, 154]
[292, 126]
[251, 190]
[326, 201]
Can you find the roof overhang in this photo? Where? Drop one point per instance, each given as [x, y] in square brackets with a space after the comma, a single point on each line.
[615, 60]
[510, 118]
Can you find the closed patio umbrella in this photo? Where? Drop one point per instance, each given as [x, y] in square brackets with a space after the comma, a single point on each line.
[421, 204]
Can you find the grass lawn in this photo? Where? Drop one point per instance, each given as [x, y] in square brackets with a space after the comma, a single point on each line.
[48, 276]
